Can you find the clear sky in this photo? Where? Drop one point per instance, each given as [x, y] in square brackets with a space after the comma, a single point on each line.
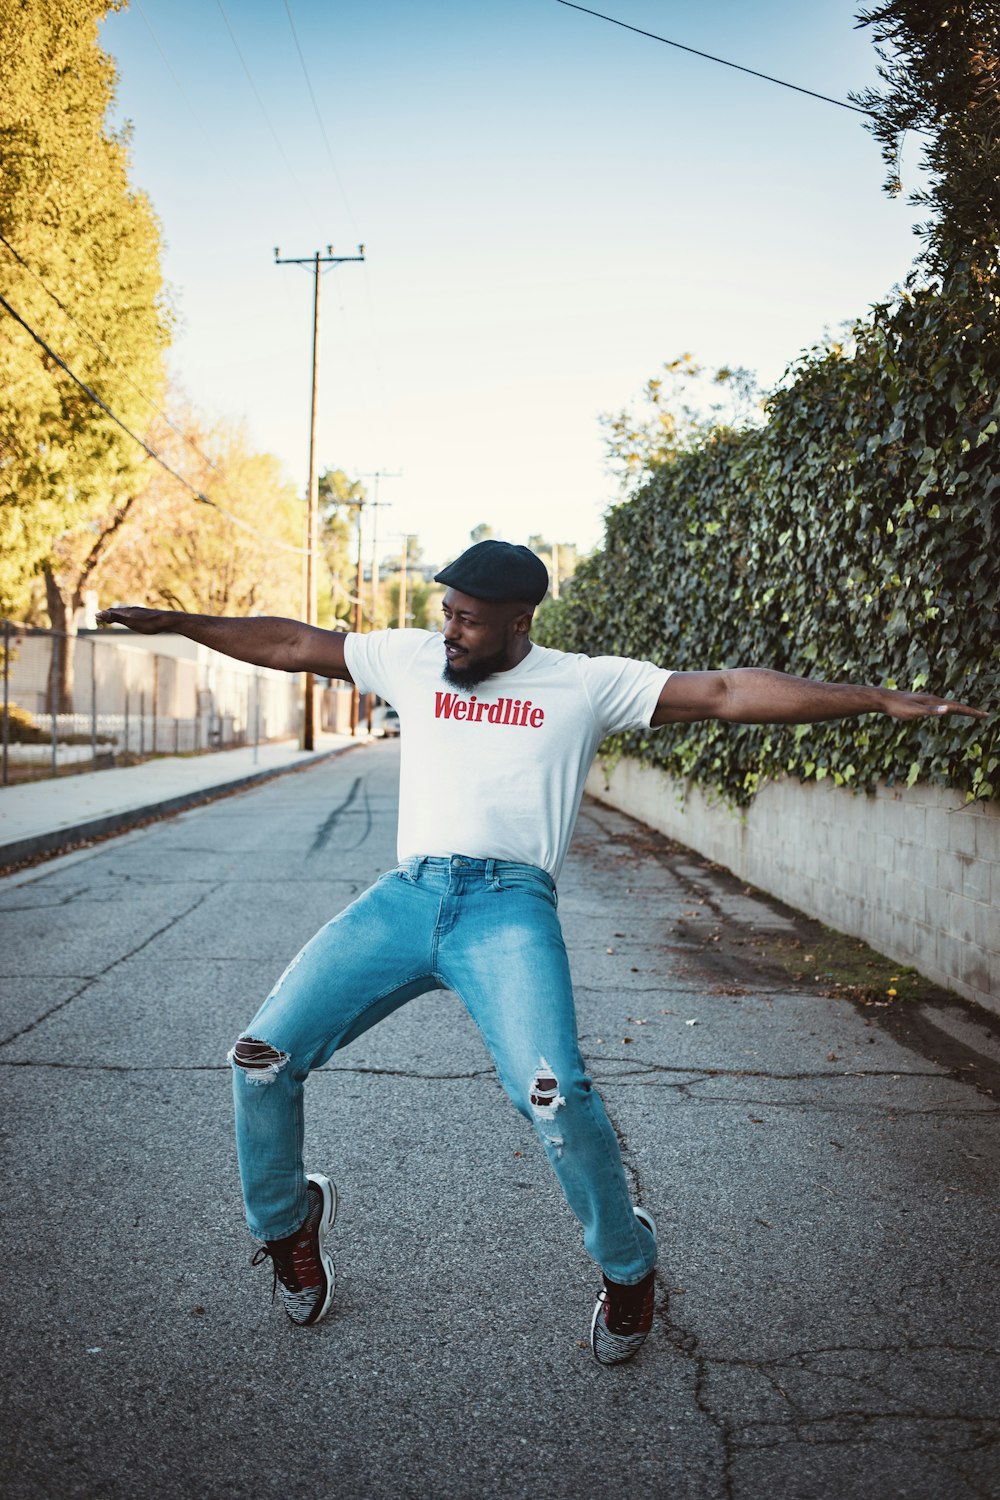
[551, 207]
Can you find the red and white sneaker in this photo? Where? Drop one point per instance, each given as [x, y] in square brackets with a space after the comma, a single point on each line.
[623, 1315]
[300, 1262]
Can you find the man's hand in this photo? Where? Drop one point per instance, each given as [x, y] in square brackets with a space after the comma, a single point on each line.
[136, 617]
[901, 705]
[754, 695]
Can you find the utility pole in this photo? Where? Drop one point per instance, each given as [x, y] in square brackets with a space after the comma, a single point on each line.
[375, 504]
[402, 579]
[358, 588]
[312, 504]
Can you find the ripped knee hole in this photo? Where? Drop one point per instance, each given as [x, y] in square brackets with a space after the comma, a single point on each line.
[259, 1059]
[544, 1095]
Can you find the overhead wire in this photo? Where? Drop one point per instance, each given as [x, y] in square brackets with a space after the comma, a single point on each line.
[267, 118]
[319, 117]
[336, 173]
[92, 395]
[827, 99]
[101, 350]
[180, 87]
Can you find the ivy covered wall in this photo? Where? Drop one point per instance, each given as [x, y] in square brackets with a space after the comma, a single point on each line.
[855, 537]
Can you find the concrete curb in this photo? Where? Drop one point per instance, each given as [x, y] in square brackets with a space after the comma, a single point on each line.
[58, 840]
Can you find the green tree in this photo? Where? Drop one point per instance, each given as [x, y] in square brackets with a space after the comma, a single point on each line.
[420, 600]
[940, 62]
[681, 408]
[81, 266]
[340, 499]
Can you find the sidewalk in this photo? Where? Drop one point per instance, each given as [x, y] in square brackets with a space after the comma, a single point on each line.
[42, 817]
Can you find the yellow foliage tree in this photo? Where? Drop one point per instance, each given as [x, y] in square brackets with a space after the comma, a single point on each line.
[80, 256]
[240, 559]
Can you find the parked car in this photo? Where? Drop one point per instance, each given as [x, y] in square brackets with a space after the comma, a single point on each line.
[385, 721]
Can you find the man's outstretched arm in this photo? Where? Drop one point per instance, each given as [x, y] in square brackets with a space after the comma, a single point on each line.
[266, 640]
[754, 695]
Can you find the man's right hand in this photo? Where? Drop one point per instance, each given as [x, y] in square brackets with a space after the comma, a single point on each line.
[136, 617]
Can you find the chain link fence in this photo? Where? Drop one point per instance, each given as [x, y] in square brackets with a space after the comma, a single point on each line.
[109, 698]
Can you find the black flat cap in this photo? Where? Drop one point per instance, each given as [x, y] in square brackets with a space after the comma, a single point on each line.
[497, 570]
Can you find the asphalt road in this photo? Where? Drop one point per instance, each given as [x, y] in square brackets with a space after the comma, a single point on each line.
[824, 1186]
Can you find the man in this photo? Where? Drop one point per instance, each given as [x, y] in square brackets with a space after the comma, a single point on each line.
[498, 736]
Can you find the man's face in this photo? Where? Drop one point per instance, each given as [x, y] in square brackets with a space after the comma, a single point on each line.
[481, 636]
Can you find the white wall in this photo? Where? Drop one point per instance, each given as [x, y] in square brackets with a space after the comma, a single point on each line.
[914, 871]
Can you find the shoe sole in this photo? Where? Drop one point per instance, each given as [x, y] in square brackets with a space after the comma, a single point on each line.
[328, 1195]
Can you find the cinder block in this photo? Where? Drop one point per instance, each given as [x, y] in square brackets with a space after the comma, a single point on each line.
[926, 904]
[951, 871]
[951, 953]
[987, 930]
[853, 843]
[976, 881]
[936, 908]
[974, 968]
[925, 946]
[850, 913]
[904, 821]
[937, 828]
[869, 878]
[901, 936]
[962, 830]
[884, 848]
[988, 834]
[913, 861]
[845, 875]
[962, 918]
[897, 892]
[916, 901]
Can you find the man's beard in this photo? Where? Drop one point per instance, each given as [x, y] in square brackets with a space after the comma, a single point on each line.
[474, 675]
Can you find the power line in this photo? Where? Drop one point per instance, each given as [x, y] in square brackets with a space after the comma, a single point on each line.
[710, 58]
[180, 87]
[185, 483]
[319, 117]
[350, 215]
[101, 349]
[274, 134]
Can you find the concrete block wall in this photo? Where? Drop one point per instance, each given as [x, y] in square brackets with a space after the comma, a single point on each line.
[914, 871]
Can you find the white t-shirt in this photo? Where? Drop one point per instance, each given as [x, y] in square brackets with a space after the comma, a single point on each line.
[498, 772]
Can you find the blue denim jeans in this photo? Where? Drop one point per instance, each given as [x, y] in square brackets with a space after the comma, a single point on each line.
[488, 930]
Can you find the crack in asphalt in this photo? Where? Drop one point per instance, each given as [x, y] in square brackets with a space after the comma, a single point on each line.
[122, 958]
[95, 1067]
[802, 1424]
[326, 828]
[701, 1075]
